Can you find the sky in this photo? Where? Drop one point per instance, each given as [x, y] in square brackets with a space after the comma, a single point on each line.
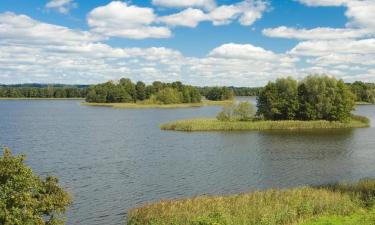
[199, 42]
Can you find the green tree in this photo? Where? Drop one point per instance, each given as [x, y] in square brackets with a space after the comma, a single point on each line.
[26, 199]
[279, 100]
[169, 96]
[325, 98]
[141, 90]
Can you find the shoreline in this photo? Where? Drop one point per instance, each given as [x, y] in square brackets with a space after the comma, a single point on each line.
[307, 205]
[165, 106]
[212, 124]
[41, 98]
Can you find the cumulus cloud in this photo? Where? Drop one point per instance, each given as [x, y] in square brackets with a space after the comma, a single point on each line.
[207, 4]
[30, 52]
[189, 18]
[62, 6]
[246, 12]
[319, 33]
[118, 19]
[324, 2]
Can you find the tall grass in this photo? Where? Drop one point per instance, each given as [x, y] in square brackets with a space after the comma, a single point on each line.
[216, 125]
[270, 207]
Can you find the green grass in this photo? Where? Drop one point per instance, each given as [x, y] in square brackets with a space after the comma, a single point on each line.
[325, 205]
[147, 105]
[41, 98]
[212, 124]
[359, 218]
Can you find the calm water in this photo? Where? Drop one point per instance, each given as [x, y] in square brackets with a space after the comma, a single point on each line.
[112, 160]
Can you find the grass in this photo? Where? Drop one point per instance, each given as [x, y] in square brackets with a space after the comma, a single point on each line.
[305, 206]
[212, 124]
[147, 105]
[359, 218]
[41, 98]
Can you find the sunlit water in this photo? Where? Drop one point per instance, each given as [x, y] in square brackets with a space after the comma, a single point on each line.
[112, 160]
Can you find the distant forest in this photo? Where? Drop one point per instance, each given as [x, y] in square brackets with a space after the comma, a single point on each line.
[364, 92]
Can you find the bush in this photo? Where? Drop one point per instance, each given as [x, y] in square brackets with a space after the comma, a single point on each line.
[26, 198]
[243, 111]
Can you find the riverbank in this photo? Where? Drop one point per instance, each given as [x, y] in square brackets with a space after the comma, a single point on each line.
[305, 205]
[41, 99]
[212, 124]
[146, 105]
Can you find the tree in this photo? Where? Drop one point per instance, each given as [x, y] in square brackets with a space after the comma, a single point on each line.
[314, 98]
[279, 100]
[325, 98]
[26, 198]
[141, 90]
[169, 96]
[219, 94]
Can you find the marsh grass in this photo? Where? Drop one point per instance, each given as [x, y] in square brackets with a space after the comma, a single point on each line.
[210, 124]
[305, 205]
[146, 104]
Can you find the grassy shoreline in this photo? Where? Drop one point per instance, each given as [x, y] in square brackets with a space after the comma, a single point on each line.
[212, 124]
[166, 106]
[296, 206]
[41, 99]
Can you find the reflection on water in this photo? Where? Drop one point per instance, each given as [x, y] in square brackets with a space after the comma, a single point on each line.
[112, 160]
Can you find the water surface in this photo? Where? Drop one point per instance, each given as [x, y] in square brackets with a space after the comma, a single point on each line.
[114, 159]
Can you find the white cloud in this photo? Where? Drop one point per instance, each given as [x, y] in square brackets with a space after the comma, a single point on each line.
[118, 19]
[324, 2]
[18, 28]
[62, 6]
[320, 48]
[30, 52]
[362, 14]
[246, 12]
[319, 33]
[189, 18]
[207, 4]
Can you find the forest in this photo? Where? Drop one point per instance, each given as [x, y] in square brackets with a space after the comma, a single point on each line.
[364, 92]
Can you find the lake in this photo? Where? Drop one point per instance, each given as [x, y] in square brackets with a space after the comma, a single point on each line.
[112, 160]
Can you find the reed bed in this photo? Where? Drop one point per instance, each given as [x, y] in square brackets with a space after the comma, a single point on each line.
[211, 124]
[305, 205]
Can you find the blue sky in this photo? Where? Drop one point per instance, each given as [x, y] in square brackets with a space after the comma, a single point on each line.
[226, 42]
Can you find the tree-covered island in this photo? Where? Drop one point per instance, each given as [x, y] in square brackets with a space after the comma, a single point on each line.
[126, 94]
[314, 102]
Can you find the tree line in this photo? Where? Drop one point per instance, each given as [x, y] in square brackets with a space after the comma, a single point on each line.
[364, 92]
[42, 91]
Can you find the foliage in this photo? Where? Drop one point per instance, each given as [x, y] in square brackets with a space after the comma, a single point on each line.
[364, 92]
[279, 100]
[237, 91]
[40, 91]
[219, 94]
[158, 93]
[314, 98]
[26, 199]
[243, 111]
[217, 125]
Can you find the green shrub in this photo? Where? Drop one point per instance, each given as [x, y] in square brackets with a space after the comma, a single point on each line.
[26, 199]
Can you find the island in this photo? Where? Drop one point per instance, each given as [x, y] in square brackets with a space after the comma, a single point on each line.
[317, 102]
[126, 94]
